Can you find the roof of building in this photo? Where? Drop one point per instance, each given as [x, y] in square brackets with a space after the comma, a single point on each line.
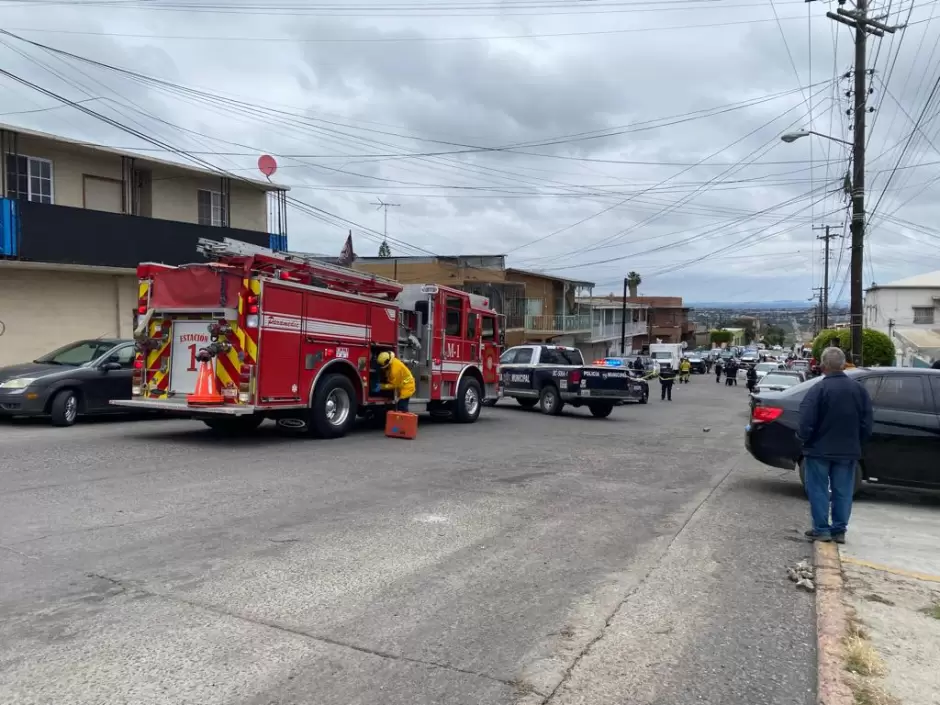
[921, 338]
[929, 280]
[543, 275]
[419, 259]
[92, 146]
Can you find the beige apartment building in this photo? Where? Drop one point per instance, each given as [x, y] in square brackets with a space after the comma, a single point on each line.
[76, 218]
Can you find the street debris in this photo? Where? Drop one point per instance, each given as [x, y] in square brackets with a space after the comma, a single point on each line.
[803, 575]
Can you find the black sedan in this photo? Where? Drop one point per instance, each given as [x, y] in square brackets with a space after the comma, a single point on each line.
[80, 378]
[905, 445]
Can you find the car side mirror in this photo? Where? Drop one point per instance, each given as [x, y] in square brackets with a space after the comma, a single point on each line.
[110, 366]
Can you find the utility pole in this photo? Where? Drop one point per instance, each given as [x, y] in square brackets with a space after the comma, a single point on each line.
[817, 309]
[825, 289]
[623, 320]
[382, 204]
[863, 25]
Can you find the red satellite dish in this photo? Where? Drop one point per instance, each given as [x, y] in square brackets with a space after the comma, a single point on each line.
[267, 165]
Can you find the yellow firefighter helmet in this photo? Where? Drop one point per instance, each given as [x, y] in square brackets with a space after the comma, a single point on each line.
[384, 358]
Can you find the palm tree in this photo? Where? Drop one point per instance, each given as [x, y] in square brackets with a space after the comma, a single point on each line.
[633, 281]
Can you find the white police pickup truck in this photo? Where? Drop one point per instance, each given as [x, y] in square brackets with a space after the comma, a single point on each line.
[552, 376]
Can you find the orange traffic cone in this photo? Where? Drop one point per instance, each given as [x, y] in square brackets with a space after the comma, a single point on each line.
[206, 392]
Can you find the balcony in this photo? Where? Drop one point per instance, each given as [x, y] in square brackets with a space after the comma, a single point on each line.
[63, 235]
[558, 323]
[612, 331]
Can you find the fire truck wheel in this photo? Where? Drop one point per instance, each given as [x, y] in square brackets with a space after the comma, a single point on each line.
[334, 408]
[601, 411]
[64, 408]
[468, 403]
[550, 401]
[235, 426]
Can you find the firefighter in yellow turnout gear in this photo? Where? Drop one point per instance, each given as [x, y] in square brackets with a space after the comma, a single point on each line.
[685, 370]
[398, 378]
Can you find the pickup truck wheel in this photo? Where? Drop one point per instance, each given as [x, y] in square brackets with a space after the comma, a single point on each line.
[469, 401]
[646, 397]
[333, 412]
[64, 408]
[527, 403]
[550, 401]
[858, 477]
[601, 411]
[234, 426]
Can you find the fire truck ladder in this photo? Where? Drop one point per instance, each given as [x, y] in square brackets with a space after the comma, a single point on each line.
[297, 266]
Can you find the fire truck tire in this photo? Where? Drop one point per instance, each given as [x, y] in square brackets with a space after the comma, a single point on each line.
[601, 411]
[64, 408]
[550, 400]
[234, 426]
[333, 412]
[527, 403]
[469, 401]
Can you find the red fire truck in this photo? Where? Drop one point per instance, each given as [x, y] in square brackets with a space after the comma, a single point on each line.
[295, 339]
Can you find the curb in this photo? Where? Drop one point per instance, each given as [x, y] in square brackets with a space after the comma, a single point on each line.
[831, 625]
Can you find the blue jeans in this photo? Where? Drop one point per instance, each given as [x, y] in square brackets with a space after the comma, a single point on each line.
[821, 477]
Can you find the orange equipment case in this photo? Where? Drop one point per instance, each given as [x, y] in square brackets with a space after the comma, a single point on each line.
[401, 425]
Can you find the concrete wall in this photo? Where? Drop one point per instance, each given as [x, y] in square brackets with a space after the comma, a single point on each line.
[897, 305]
[44, 309]
[173, 190]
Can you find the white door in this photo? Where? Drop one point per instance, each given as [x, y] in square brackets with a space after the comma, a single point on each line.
[189, 337]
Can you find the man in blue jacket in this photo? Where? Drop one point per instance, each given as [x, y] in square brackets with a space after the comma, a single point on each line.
[835, 420]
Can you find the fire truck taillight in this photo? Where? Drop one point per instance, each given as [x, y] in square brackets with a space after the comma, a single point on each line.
[137, 376]
[245, 380]
[141, 310]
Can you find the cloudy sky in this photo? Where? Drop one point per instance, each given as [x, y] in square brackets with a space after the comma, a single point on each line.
[585, 138]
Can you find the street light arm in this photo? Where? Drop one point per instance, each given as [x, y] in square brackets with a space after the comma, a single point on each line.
[794, 136]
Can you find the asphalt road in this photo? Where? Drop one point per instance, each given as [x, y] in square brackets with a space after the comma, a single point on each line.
[524, 559]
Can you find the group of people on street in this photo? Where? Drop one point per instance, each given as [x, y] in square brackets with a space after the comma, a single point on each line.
[730, 369]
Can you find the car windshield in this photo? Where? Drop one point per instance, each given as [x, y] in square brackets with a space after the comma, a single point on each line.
[766, 366]
[77, 354]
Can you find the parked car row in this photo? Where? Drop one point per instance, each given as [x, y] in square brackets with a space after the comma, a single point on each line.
[905, 444]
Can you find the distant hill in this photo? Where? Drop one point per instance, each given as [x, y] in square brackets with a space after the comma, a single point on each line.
[734, 305]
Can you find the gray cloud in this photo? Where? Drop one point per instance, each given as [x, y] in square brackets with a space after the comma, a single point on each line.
[367, 96]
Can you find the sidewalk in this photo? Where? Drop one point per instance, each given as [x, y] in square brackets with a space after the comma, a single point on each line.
[891, 564]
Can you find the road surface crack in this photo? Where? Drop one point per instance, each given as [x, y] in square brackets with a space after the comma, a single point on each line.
[566, 676]
[124, 585]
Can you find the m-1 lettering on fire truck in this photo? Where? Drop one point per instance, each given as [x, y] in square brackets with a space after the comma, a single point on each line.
[342, 353]
[452, 350]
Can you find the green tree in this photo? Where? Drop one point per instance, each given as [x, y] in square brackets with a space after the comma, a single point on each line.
[633, 282]
[748, 325]
[877, 348]
[384, 249]
[774, 335]
[718, 337]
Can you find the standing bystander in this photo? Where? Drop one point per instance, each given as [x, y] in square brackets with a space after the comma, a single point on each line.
[835, 420]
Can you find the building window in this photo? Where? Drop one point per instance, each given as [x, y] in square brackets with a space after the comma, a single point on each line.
[923, 314]
[29, 178]
[211, 208]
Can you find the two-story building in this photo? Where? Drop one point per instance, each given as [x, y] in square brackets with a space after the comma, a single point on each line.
[908, 310]
[76, 219]
[669, 319]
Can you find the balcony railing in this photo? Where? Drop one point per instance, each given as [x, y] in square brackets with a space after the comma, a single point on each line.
[559, 323]
[608, 331]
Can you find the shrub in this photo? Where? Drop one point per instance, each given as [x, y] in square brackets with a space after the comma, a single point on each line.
[877, 348]
[720, 336]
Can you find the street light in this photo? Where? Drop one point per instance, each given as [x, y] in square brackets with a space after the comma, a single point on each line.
[794, 136]
[857, 184]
